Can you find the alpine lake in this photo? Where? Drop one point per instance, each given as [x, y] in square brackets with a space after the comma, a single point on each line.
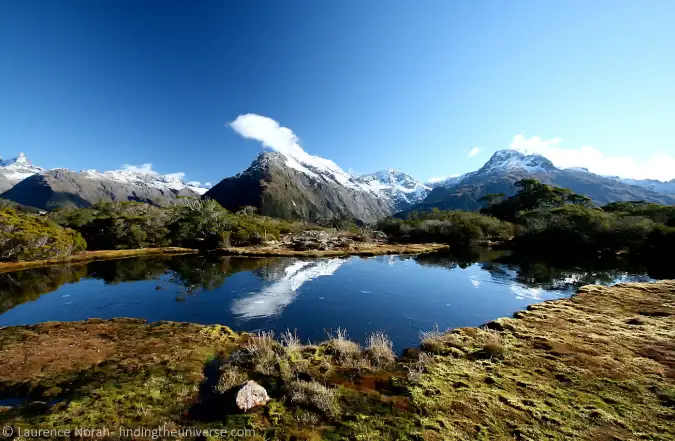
[398, 295]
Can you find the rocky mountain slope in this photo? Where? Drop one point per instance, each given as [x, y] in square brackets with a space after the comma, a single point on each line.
[508, 166]
[13, 171]
[61, 187]
[308, 188]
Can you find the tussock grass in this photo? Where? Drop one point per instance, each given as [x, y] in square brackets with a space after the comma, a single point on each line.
[230, 376]
[380, 350]
[291, 344]
[262, 350]
[346, 352]
[315, 395]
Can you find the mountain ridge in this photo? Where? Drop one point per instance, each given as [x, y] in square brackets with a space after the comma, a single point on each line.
[505, 167]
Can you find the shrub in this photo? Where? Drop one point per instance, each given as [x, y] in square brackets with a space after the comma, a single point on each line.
[117, 225]
[456, 228]
[30, 237]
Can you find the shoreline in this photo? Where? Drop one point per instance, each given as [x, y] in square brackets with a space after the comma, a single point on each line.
[600, 362]
[92, 256]
[372, 250]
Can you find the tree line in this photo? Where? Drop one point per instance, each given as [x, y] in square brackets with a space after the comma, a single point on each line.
[539, 218]
[543, 218]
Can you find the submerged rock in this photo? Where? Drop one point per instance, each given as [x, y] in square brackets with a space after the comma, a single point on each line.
[251, 395]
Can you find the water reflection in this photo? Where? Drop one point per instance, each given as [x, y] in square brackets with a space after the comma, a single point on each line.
[282, 287]
[400, 295]
[281, 278]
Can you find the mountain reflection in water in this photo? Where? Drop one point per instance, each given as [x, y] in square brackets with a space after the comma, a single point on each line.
[400, 295]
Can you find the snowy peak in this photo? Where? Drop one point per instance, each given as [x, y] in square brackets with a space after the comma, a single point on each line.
[665, 187]
[144, 177]
[19, 161]
[401, 188]
[513, 160]
[393, 178]
[15, 170]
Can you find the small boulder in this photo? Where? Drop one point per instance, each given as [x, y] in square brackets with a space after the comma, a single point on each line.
[251, 395]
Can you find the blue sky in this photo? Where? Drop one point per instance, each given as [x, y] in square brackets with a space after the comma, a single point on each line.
[377, 84]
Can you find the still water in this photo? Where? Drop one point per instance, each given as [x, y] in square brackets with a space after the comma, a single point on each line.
[400, 295]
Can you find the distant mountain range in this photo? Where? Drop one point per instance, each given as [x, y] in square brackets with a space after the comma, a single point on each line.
[34, 186]
[302, 186]
[505, 167]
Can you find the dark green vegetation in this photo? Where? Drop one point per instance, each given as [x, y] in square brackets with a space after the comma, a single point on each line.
[531, 377]
[457, 228]
[201, 224]
[29, 237]
[541, 218]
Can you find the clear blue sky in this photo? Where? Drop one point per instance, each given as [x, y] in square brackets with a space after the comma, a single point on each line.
[369, 84]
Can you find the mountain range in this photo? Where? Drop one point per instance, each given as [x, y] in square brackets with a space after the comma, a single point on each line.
[505, 167]
[297, 185]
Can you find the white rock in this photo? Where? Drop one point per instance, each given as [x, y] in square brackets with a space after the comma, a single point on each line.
[251, 395]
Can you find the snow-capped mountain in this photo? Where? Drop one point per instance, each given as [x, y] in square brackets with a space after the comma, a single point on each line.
[141, 177]
[13, 171]
[667, 187]
[43, 188]
[505, 167]
[301, 186]
[397, 186]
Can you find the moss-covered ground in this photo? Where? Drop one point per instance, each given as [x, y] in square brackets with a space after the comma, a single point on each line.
[598, 366]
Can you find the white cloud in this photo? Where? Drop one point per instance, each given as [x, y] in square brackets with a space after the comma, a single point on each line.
[268, 132]
[474, 151]
[658, 166]
[283, 140]
[147, 169]
[143, 168]
[199, 184]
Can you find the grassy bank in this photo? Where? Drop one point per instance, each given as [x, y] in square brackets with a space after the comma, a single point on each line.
[599, 366]
[91, 256]
[363, 250]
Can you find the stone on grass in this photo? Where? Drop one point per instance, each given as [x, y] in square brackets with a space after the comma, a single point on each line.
[251, 395]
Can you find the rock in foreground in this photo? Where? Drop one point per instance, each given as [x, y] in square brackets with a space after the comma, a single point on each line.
[251, 395]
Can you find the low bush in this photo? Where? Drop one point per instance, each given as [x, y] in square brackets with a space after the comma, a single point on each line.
[26, 237]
